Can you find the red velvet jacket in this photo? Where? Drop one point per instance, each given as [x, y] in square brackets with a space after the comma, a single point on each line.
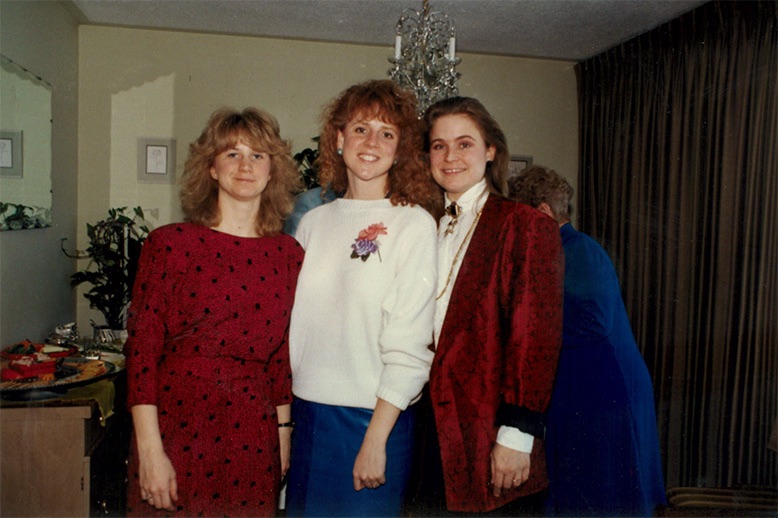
[498, 348]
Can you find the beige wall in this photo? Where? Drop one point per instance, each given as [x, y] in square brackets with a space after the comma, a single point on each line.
[535, 102]
[139, 83]
[35, 294]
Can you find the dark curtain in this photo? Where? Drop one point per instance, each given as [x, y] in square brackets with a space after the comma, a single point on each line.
[679, 180]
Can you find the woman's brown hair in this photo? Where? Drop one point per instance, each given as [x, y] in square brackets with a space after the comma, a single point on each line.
[258, 130]
[410, 180]
[496, 170]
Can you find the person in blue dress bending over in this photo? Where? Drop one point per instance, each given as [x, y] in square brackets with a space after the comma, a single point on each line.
[602, 445]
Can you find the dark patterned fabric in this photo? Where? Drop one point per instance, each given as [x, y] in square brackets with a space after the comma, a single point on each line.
[207, 345]
[498, 346]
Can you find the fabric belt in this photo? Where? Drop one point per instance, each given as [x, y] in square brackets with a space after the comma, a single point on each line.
[218, 368]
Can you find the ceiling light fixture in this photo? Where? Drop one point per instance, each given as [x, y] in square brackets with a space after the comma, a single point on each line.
[424, 56]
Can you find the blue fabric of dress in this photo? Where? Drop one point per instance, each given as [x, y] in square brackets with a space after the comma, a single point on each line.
[601, 440]
[304, 202]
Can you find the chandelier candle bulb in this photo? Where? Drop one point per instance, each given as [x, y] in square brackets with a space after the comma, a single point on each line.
[424, 56]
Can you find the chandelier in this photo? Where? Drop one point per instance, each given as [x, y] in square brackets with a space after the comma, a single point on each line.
[424, 59]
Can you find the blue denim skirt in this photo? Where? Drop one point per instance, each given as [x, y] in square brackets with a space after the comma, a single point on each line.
[325, 444]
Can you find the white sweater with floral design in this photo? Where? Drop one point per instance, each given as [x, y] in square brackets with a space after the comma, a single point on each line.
[363, 313]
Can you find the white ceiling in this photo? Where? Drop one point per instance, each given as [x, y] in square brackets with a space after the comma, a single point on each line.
[552, 29]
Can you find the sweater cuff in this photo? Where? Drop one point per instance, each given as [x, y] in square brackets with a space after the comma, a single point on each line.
[524, 419]
[393, 397]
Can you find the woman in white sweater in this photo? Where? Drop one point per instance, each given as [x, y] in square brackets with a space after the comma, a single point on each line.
[363, 316]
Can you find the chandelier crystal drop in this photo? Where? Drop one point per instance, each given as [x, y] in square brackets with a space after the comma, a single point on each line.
[424, 56]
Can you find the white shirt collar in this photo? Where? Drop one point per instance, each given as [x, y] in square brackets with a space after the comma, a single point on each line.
[473, 199]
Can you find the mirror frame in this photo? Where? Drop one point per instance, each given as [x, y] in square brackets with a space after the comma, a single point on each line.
[22, 137]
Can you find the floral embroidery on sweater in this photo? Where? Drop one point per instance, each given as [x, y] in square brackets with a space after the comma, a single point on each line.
[367, 243]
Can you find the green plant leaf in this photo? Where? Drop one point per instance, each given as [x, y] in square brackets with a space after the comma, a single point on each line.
[113, 252]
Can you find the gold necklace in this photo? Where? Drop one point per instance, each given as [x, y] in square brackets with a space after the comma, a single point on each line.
[459, 251]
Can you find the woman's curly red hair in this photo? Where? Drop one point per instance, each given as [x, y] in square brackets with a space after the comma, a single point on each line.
[410, 180]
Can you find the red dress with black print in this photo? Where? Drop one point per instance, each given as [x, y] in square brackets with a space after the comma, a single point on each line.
[207, 346]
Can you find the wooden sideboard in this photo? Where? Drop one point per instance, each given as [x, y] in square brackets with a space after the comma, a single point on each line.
[57, 459]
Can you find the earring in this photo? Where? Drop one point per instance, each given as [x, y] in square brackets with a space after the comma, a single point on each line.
[340, 151]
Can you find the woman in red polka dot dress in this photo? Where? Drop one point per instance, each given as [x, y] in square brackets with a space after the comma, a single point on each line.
[207, 357]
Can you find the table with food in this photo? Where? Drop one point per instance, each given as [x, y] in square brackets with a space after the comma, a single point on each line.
[40, 370]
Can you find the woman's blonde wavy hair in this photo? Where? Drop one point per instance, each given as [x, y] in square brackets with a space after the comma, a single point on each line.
[226, 128]
[410, 180]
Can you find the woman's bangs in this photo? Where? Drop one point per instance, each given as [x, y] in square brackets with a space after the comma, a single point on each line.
[235, 136]
[376, 109]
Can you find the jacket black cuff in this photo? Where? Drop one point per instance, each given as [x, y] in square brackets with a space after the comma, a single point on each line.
[522, 418]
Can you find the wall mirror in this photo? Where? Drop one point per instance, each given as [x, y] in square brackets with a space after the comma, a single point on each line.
[25, 148]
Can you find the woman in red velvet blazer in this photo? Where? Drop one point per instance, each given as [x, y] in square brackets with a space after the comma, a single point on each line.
[498, 317]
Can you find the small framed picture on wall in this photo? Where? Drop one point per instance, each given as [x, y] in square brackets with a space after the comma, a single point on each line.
[518, 163]
[156, 160]
[11, 154]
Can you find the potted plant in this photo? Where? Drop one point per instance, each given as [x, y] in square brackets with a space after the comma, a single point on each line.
[114, 251]
[306, 164]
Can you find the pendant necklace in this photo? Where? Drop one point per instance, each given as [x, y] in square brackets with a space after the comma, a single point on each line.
[459, 252]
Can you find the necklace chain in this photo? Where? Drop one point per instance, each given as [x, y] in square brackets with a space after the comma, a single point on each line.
[459, 252]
